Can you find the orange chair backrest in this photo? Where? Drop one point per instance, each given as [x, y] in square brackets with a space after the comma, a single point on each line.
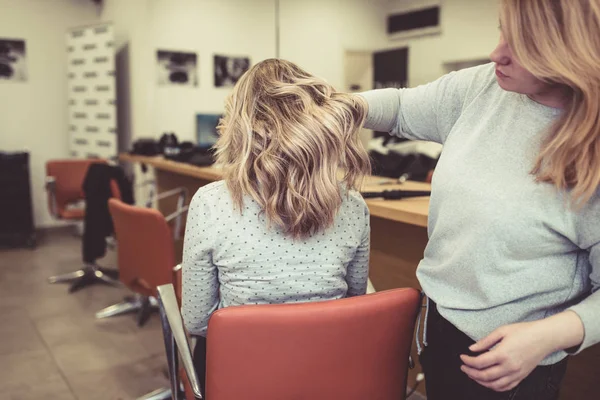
[69, 175]
[145, 251]
[355, 348]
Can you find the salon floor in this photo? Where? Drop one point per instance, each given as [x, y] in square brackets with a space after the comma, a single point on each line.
[52, 347]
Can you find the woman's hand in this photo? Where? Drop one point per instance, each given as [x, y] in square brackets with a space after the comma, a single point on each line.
[515, 350]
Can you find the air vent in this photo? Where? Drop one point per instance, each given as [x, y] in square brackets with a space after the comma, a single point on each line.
[411, 23]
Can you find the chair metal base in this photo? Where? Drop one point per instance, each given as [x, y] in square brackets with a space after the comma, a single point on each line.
[142, 305]
[86, 276]
[158, 394]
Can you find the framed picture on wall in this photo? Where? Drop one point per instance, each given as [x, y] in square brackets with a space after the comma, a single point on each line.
[13, 61]
[176, 68]
[228, 70]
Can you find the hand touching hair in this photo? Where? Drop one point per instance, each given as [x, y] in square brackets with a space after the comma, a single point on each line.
[284, 140]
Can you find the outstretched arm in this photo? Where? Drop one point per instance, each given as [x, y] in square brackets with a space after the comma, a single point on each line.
[426, 112]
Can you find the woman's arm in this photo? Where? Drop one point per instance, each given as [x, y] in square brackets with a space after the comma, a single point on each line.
[515, 350]
[511, 352]
[200, 297]
[588, 232]
[357, 274]
[426, 112]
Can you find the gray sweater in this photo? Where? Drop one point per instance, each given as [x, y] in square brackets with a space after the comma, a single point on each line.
[231, 259]
[502, 248]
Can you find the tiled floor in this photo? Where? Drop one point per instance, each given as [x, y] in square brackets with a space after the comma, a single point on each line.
[52, 347]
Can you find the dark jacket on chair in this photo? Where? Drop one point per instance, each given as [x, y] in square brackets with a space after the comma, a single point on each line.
[98, 223]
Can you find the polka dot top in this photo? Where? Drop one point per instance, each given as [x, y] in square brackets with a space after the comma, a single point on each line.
[234, 259]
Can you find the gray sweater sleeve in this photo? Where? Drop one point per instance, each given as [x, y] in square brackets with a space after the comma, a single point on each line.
[426, 112]
[588, 231]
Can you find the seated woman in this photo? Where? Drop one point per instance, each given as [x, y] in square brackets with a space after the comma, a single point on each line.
[283, 226]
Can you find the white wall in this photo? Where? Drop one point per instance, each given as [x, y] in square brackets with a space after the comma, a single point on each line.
[315, 34]
[131, 24]
[34, 113]
[469, 31]
[206, 27]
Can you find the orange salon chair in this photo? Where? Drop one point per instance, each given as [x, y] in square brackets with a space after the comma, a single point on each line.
[64, 181]
[146, 256]
[351, 349]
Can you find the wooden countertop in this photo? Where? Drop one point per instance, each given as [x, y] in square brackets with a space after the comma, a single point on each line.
[412, 211]
[158, 162]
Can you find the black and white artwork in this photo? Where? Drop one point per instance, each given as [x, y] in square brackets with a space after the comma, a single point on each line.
[228, 70]
[177, 68]
[13, 61]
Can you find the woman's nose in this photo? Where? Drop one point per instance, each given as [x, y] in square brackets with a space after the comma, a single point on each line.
[501, 54]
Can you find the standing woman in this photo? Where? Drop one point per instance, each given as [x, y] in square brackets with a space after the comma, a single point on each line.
[512, 266]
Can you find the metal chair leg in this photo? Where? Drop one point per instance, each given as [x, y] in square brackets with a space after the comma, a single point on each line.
[148, 308]
[130, 304]
[105, 278]
[142, 305]
[110, 272]
[93, 275]
[68, 277]
[158, 394]
[88, 275]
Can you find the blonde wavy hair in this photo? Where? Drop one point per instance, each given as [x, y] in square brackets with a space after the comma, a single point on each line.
[284, 139]
[558, 41]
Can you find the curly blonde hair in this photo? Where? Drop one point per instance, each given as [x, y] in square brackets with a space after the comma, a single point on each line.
[290, 141]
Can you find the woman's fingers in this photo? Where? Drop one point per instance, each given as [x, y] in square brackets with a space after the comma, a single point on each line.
[492, 371]
[486, 375]
[481, 361]
[487, 342]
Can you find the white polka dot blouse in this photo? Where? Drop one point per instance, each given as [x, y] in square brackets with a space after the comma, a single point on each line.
[232, 258]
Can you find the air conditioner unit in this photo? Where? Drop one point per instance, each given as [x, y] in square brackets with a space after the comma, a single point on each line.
[413, 22]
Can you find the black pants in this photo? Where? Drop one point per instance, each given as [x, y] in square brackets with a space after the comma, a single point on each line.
[200, 362]
[445, 381]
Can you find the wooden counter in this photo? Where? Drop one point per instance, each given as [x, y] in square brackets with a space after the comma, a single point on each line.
[162, 164]
[398, 240]
[411, 211]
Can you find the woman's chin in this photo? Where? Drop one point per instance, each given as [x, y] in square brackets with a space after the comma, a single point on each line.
[504, 84]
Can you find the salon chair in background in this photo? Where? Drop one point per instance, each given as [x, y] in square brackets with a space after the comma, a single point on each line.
[145, 253]
[66, 199]
[64, 185]
[101, 182]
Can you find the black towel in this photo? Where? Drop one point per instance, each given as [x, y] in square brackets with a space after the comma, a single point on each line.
[98, 222]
